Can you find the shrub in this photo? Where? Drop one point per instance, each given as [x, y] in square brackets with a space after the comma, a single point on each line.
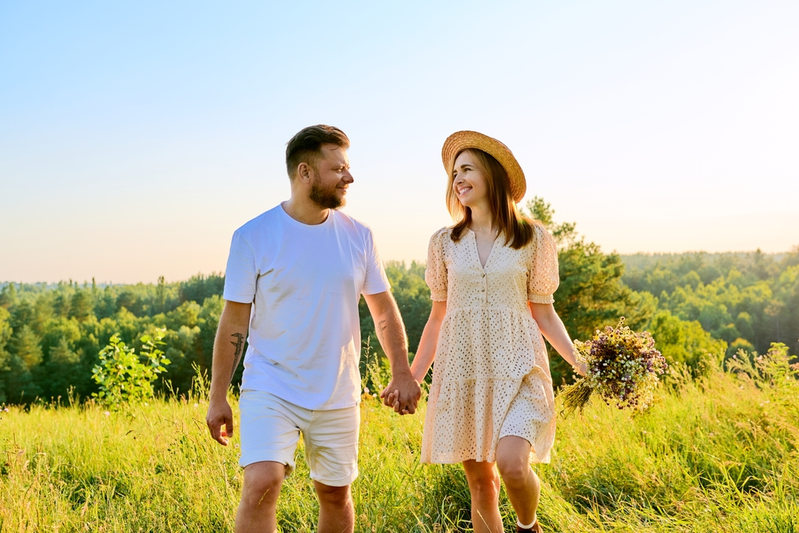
[125, 377]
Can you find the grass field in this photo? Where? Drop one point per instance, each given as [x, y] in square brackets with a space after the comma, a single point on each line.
[716, 455]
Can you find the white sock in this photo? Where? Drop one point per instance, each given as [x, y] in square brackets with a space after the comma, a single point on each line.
[528, 526]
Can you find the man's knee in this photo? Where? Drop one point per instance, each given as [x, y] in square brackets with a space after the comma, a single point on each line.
[333, 496]
[262, 483]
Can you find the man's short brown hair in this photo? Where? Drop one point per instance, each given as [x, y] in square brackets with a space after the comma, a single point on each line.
[306, 145]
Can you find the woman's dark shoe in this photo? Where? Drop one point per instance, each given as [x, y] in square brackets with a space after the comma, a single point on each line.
[535, 529]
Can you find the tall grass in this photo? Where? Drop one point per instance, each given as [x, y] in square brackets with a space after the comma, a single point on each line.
[716, 455]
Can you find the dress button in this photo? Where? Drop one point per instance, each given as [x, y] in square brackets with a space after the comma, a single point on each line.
[483, 276]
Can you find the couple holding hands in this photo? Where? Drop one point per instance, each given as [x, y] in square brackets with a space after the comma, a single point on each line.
[294, 277]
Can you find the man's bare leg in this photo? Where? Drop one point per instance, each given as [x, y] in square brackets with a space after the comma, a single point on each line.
[257, 510]
[336, 511]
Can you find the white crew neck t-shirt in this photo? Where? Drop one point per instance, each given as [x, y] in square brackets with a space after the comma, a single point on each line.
[304, 282]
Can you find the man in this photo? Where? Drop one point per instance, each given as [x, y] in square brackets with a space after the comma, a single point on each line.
[293, 281]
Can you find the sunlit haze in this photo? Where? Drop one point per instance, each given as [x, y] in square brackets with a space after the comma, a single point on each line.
[136, 137]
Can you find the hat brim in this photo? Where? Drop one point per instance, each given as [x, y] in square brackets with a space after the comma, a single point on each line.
[463, 140]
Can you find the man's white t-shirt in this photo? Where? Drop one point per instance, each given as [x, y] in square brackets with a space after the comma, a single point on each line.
[304, 282]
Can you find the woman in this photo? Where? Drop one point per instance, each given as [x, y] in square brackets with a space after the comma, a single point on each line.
[491, 277]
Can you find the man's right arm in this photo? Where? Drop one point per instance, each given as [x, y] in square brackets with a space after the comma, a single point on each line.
[228, 351]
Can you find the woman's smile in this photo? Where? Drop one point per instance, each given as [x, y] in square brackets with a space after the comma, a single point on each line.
[468, 180]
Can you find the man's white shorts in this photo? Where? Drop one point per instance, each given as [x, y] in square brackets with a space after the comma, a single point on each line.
[271, 427]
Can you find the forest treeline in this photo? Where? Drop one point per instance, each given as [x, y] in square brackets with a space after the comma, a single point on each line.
[699, 307]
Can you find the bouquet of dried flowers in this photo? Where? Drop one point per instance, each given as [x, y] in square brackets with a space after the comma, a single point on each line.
[623, 368]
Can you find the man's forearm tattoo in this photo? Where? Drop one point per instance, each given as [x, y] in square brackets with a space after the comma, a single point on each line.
[239, 344]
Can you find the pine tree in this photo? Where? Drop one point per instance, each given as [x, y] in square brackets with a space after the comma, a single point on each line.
[8, 296]
[26, 346]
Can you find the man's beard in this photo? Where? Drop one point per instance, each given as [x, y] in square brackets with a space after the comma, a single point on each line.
[324, 198]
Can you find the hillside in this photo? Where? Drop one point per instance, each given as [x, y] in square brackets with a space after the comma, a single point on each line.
[718, 454]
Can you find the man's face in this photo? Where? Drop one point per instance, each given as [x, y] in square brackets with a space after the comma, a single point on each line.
[331, 178]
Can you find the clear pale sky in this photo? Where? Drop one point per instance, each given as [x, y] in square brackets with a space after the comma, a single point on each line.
[135, 137]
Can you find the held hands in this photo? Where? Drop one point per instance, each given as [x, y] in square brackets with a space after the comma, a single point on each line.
[220, 414]
[392, 401]
[402, 394]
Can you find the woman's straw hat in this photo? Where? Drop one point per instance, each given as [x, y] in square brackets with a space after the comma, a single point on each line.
[462, 140]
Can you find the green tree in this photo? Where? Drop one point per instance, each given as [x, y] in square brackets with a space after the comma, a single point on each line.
[161, 295]
[743, 323]
[82, 305]
[181, 351]
[686, 342]
[5, 330]
[738, 345]
[661, 280]
[8, 296]
[5, 356]
[61, 370]
[198, 288]
[63, 301]
[413, 298]
[785, 316]
[26, 346]
[18, 383]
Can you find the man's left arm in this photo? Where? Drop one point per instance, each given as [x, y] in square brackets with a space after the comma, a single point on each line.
[391, 334]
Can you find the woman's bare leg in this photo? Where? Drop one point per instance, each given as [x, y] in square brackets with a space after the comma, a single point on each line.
[523, 486]
[484, 488]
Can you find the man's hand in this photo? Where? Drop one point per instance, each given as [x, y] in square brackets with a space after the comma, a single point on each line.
[228, 350]
[220, 414]
[391, 334]
[402, 394]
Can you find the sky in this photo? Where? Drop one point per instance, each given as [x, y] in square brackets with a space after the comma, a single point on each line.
[135, 137]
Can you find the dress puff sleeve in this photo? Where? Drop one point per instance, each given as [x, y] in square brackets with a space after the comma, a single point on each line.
[543, 279]
[436, 272]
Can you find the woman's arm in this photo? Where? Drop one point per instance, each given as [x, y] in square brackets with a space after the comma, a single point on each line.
[426, 352]
[554, 331]
[424, 355]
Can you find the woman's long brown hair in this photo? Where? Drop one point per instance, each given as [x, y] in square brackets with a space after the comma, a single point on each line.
[515, 227]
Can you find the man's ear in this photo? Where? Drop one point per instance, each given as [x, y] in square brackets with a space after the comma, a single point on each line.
[304, 172]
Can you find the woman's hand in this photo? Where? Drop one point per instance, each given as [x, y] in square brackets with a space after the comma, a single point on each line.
[553, 330]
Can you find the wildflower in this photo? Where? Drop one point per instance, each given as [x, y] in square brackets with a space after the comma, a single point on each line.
[623, 368]
[106, 413]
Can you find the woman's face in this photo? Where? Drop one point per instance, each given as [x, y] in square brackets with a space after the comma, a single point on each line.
[469, 182]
